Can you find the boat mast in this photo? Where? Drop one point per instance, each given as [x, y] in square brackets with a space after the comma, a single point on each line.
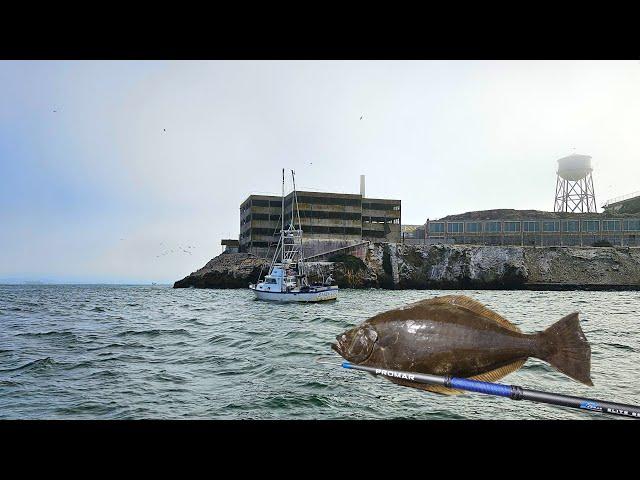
[282, 218]
[293, 197]
[294, 202]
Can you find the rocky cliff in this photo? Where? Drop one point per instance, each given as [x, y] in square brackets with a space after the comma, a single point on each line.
[398, 266]
[227, 270]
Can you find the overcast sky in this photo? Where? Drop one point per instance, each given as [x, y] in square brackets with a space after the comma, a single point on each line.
[93, 189]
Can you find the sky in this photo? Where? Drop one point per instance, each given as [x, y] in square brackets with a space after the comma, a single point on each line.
[133, 171]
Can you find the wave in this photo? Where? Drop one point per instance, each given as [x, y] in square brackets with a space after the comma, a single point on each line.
[165, 376]
[538, 367]
[9, 383]
[218, 339]
[34, 366]
[285, 403]
[155, 332]
[52, 333]
[619, 346]
[88, 407]
[104, 374]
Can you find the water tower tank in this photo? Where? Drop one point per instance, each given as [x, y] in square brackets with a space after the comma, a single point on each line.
[574, 167]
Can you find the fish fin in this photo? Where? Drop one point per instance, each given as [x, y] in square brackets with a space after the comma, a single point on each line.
[429, 388]
[569, 349]
[498, 373]
[476, 307]
[441, 390]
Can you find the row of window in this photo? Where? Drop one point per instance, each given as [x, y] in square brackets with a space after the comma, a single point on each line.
[331, 215]
[266, 203]
[380, 206]
[322, 215]
[336, 230]
[373, 233]
[381, 220]
[329, 200]
[305, 214]
[310, 229]
[534, 226]
[346, 201]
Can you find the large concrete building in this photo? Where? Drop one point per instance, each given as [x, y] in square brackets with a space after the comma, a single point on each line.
[531, 227]
[329, 220]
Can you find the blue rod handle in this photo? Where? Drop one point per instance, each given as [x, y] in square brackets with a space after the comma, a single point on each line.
[481, 387]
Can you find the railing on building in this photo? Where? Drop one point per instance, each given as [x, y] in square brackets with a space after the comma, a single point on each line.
[621, 198]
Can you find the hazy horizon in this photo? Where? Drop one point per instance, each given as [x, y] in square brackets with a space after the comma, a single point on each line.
[132, 171]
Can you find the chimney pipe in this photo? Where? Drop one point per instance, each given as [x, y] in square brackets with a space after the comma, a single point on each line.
[362, 185]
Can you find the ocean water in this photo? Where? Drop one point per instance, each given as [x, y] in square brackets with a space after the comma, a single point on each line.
[135, 352]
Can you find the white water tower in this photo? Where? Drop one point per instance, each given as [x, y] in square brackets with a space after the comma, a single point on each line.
[574, 185]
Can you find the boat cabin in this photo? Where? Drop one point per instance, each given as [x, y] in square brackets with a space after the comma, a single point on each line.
[277, 281]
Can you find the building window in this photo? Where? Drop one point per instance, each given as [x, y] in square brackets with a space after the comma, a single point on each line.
[511, 227]
[551, 226]
[571, 225]
[591, 225]
[356, 202]
[530, 226]
[436, 227]
[492, 227]
[455, 227]
[473, 227]
[632, 225]
[611, 225]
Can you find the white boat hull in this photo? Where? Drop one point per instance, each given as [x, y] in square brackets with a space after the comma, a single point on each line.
[330, 293]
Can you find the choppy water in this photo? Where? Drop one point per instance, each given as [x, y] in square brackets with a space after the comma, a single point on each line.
[112, 352]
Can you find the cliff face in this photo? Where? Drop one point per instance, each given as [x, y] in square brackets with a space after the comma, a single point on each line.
[227, 270]
[606, 266]
[398, 266]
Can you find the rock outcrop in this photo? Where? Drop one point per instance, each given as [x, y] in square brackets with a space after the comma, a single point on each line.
[399, 266]
[227, 270]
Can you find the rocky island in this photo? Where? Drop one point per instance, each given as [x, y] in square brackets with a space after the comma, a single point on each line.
[401, 266]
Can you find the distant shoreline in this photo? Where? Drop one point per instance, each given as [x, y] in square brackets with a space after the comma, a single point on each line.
[43, 284]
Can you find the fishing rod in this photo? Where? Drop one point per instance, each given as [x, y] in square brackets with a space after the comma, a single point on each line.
[510, 391]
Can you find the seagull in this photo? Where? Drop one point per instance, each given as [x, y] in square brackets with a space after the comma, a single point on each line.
[164, 129]
[361, 117]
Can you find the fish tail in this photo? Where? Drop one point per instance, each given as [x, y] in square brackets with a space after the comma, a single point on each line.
[566, 348]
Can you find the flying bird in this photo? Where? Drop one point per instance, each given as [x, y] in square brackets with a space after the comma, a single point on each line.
[361, 117]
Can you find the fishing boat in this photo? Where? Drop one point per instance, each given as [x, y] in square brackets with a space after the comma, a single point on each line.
[287, 280]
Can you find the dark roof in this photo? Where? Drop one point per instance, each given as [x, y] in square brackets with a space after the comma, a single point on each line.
[232, 242]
